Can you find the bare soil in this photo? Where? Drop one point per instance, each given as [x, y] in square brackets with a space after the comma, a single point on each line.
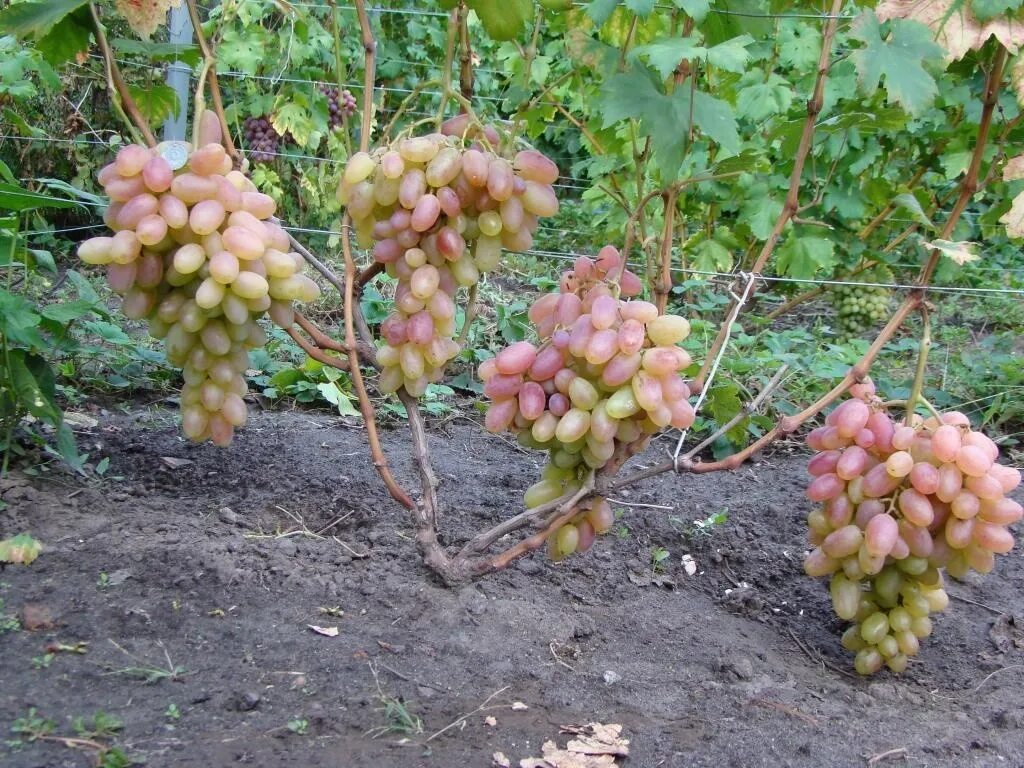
[210, 578]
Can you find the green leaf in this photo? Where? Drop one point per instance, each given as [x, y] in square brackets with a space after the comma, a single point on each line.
[333, 394]
[19, 321]
[601, 10]
[989, 9]
[899, 60]
[640, 7]
[35, 19]
[732, 55]
[5, 173]
[186, 53]
[665, 54]
[711, 256]
[67, 312]
[68, 39]
[110, 333]
[715, 118]
[760, 211]
[14, 198]
[156, 101]
[293, 118]
[763, 98]
[724, 403]
[803, 257]
[912, 205]
[695, 9]
[24, 128]
[503, 19]
[28, 392]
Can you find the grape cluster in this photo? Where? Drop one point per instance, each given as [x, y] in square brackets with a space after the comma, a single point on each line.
[340, 105]
[860, 307]
[899, 503]
[438, 213]
[602, 381]
[194, 253]
[261, 138]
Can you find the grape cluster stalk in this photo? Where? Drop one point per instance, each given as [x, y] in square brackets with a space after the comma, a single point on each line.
[603, 379]
[437, 210]
[194, 252]
[901, 503]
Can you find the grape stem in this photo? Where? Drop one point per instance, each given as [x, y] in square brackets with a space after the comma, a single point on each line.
[120, 96]
[924, 347]
[472, 308]
[792, 203]
[663, 285]
[407, 101]
[210, 73]
[449, 58]
[466, 56]
[369, 73]
[365, 405]
[339, 71]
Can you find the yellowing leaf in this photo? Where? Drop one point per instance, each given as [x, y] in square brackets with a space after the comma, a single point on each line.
[1014, 169]
[961, 252]
[954, 25]
[21, 549]
[1017, 78]
[1014, 218]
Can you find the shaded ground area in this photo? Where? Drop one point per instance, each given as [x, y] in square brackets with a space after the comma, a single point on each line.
[176, 571]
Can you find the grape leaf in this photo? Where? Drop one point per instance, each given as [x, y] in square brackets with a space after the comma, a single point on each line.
[156, 101]
[955, 26]
[186, 53]
[68, 39]
[711, 256]
[760, 211]
[803, 257]
[960, 252]
[1014, 218]
[1017, 78]
[695, 9]
[21, 549]
[899, 60]
[640, 7]
[912, 205]
[715, 118]
[799, 45]
[762, 99]
[1014, 169]
[665, 54]
[724, 403]
[988, 9]
[732, 55]
[503, 19]
[601, 10]
[35, 19]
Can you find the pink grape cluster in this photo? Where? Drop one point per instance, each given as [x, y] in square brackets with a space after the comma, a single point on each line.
[195, 254]
[603, 379]
[439, 210]
[900, 503]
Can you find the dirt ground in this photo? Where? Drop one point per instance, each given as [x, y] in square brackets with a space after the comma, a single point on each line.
[176, 571]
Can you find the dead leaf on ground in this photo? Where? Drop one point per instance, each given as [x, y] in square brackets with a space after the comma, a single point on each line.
[36, 617]
[325, 631]
[174, 462]
[80, 420]
[598, 746]
[518, 706]
[500, 761]
[491, 720]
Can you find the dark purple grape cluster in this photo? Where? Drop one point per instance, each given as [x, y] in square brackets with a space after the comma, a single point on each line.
[261, 139]
[340, 104]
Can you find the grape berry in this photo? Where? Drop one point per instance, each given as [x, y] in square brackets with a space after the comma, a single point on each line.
[602, 381]
[339, 105]
[437, 211]
[861, 307]
[900, 503]
[261, 138]
[194, 254]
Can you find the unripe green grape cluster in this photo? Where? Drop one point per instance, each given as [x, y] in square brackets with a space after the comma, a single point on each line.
[861, 307]
[603, 379]
[194, 253]
[899, 504]
[438, 210]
